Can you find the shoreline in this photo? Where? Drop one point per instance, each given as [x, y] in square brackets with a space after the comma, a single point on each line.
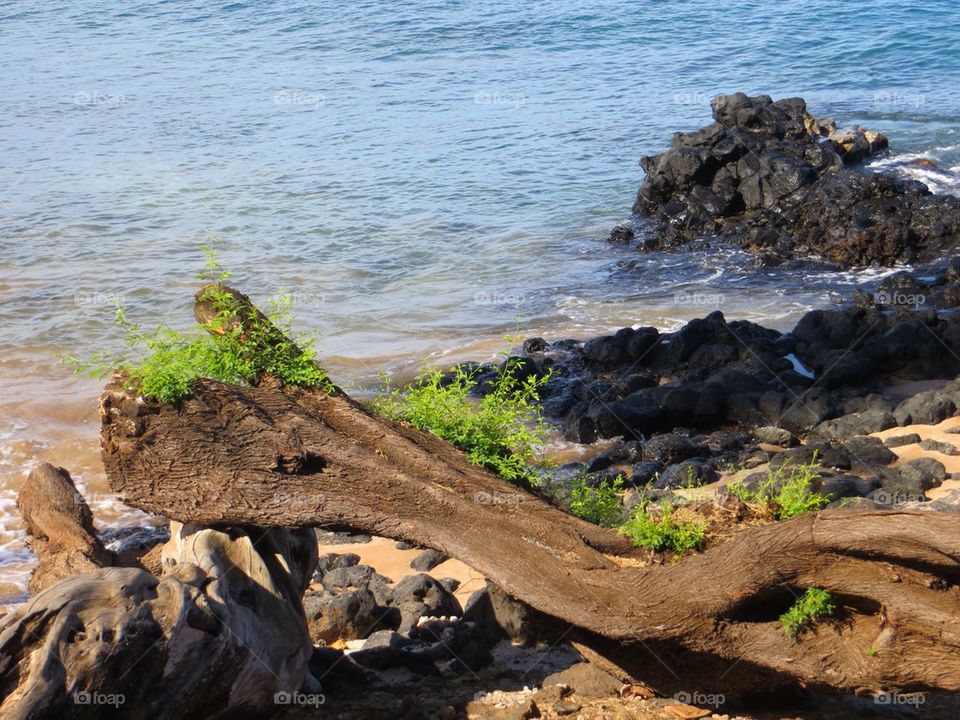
[699, 435]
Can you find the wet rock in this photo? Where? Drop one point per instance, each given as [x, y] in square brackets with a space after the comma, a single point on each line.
[641, 343]
[623, 453]
[621, 233]
[578, 426]
[771, 176]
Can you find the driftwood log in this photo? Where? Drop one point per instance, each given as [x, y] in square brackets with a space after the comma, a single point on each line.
[282, 456]
[59, 527]
[217, 636]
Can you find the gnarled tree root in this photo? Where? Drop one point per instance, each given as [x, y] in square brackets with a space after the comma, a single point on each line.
[270, 455]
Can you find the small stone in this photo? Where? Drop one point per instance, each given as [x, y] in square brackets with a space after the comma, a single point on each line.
[901, 440]
[566, 707]
[775, 436]
[428, 560]
[944, 448]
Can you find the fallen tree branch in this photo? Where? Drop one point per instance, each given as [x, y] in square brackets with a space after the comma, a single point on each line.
[271, 455]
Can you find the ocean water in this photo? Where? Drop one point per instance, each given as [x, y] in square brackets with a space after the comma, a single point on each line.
[420, 177]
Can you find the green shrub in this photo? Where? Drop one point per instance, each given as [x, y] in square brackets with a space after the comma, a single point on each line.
[787, 490]
[236, 346]
[660, 531]
[503, 431]
[600, 505]
[814, 605]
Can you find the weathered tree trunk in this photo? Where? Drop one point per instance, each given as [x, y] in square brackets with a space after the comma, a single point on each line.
[60, 528]
[216, 637]
[270, 455]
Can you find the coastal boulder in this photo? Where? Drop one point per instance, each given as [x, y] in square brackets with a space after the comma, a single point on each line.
[772, 177]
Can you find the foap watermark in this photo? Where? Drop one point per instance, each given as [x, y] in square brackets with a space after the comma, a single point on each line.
[900, 699]
[102, 297]
[94, 697]
[692, 98]
[700, 699]
[702, 298]
[899, 298]
[899, 97]
[301, 298]
[493, 297]
[314, 700]
[497, 498]
[496, 97]
[97, 498]
[302, 98]
[895, 497]
[98, 98]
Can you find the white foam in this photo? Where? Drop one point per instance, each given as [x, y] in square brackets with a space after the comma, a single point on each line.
[940, 181]
[798, 366]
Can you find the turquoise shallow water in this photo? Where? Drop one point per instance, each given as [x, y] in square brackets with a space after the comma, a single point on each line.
[416, 174]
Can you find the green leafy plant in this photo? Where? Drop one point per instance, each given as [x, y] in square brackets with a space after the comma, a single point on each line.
[600, 504]
[787, 491]
[236, 345]
[657, 529]
[503, 431]
[815, 604]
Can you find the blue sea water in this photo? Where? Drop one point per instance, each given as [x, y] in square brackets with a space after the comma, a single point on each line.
[416, 175]
[401, 166]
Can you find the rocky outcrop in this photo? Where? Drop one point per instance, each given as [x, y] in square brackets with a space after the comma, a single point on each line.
[777, 181]
[826, 377]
